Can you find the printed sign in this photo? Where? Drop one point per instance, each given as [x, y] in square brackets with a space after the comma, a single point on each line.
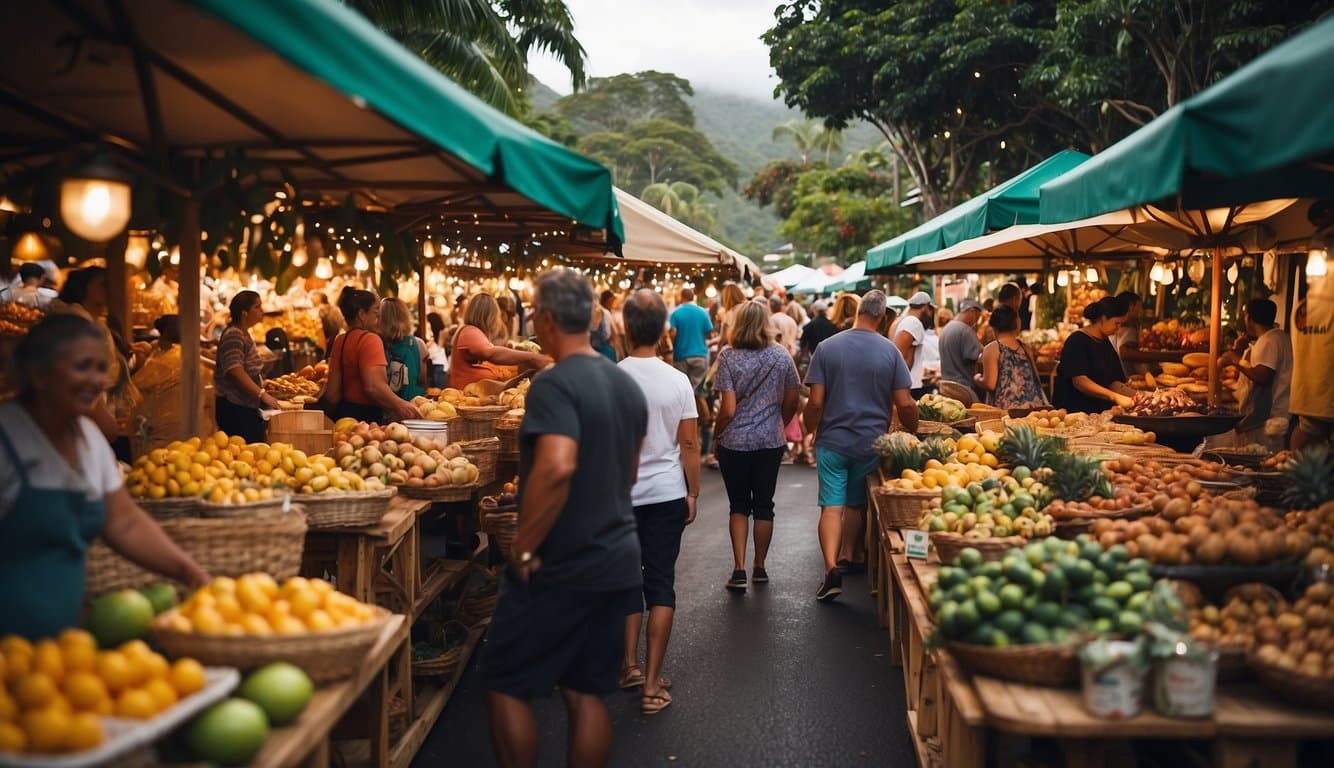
[915, 543]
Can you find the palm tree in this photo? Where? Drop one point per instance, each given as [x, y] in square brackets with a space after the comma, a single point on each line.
[483, 45]
[683, 202]
[809, 137]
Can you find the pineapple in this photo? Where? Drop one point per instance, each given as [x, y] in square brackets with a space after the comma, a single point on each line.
[1076, 478]
[1022, 446]
[899, 451]
[1309, 478]
[939, 448]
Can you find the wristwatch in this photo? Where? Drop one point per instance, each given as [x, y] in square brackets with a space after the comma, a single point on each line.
[524, 558]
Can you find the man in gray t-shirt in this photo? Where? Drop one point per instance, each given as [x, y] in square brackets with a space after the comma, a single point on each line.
[855, 377]
[959, 345]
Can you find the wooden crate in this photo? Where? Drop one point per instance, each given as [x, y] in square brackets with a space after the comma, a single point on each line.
[308, 431]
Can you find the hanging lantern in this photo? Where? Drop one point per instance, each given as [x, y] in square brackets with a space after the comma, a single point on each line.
[1156, 274]
[428, 250]
[30, 247]
[136, 250]
[95, 201]
[324, 270]
[1063, 278]
[711, 292]
[1233, 273]
[299, 256]
[1316, 265]
[1091, 275]
[1051, 283]
[1196, 269]
[1169, 274]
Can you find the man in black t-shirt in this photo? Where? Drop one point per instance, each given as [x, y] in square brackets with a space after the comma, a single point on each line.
[560, 618]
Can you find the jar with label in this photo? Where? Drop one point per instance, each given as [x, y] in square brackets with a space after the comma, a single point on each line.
[1184, 680]
[1113, 678]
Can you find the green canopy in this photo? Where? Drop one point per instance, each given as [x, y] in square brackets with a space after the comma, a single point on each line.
[339, 46]
[1265, 132]
[852, 279]
[1011, 202]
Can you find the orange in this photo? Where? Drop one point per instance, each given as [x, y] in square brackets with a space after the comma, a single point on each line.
[295, 584]
[73, 636]
[252, 595]
[79, 657]
[303, 601]
[266, 584]
[228, 607]
[9, 709]
[13, 645]
[47, 659]
[321, 586]
[255, 625]
[207, 620]
[114, 669]
[136, 703]
[222, 585]
[85, 691]
[164, 695]
[289, 625]
[186, 676]
[35, 690]
[138, 668]
[4, 669]
[135, 648]
[46, 729]
[157, 665]
[12, 738]
[85, 732]
[319, 621]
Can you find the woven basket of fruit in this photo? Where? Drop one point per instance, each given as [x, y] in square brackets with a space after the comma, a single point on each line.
[441, 660]
[899, 508]
[483, 453]
[260, 508]
[500, 521]
[948, 545]
[1290, 683]
[1039, 664]
[165, 509]
[478, 422]
[326, 655]
[508, 433]
[345, 509]
[221, 546]
[440, 492]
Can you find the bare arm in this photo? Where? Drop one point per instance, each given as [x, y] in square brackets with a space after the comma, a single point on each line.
[424, 366]
[906, 408]
[247, 385]
[545, 492]
[724, 415]
[990, 367]
[814, 409]
[506, 356]
[904, 341]
[1093, 389]
[132, 533]
[687, 436]
[791, 401]
[103, 418]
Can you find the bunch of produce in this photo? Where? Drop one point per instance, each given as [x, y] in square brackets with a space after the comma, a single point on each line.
[435, 410]
[1276, 462]
[226, 470]
[1040, 594]
[524, 345]
[1081, 295]
[1250, 612]
[514, 397]
[1215, 530]
[299, 324]
[995, 507]
[933, 407]
[232, 732]
[254, 604]
[56, 691]
[1174, 334]
[1054, 419]
[16, 319]
[292, 386]
[1308, 477]
[1317, 523]
[1302, 639]
[1162, 402]
[391, 454]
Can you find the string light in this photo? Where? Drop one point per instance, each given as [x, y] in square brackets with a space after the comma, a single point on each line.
[1317, 262]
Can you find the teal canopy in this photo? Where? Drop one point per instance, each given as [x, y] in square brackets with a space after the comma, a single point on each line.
[1265, 132]
[1009, 203]
[339, 46]
[851, 279]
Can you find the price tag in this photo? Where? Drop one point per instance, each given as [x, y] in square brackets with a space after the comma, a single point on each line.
[916, 543]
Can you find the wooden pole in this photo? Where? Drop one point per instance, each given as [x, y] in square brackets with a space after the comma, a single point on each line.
[421, 300]
[1215, 324]
[118, 302]
[188, 239]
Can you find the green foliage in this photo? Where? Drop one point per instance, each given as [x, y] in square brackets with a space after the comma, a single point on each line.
[660, 151]
[614, 104]
[774, 184]
[682, 202]
[842, 212]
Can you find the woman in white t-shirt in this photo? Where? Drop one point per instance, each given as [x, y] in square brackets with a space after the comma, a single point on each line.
[664, 494]
[1265, 371]
[60, 486]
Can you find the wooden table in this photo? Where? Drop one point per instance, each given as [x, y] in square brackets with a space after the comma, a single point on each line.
[306, 742]
[957, 719]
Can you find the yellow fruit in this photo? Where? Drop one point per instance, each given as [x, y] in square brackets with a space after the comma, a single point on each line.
[229, 607]
[85, 691]
[9, 709]
[207, 620]
[289, 625]
[156, 665]
[136, 703]
[84, 732]
[79, 658]
[303, 602]
[321, 586]
[35, 690]
[186, 676]
[45, 728]
[135, 648]
[222, 585]
[254, 624]
[75, 637]
[114, 669]
[319, 621]
[12, 738]
[252, 596]
[47, 659]
[163, 693]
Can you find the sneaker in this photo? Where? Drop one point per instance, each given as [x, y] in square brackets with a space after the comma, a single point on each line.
[759, 576]
[738, 581]
[851, 568]
[832, 586]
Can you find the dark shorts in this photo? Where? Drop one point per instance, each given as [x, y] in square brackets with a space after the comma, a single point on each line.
[695, 369]
[750, 478]
[660, 527]
[544, 637]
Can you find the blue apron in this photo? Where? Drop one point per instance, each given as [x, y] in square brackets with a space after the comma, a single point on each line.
[42, 544]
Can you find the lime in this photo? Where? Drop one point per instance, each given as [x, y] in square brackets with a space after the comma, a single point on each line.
[1075, 616]
[1102, 626]
[229, 733]
[1059, 634]
[1034, 633]
[1053, 586]
[1090, 550]
[988, 603]
[1021, 473]
[118, 617]
[1079, 572]
[979, 584]
[1137, 564]
[1104, 607]
[1119, 591]
[1138, 601]
[1018, 570]
[1047, 613]
[999, 639]
[938, 524]
[947, 618]
[1119, 553]
[1035, 554]
[1010, 621]
[1141, 581]
[1011, 596]
[960, 592]
[1086, 594]
[991, 569]
[966, 616]
[1129, 622]
[948, 576]
[969, 558]
[162, 595]
[281, 689]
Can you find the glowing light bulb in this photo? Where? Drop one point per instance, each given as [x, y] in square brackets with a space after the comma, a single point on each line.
[711, 292]
[1091, 275]
[428, 250]
[1156, 274]
[1063, 278]
[324, 270]
[362, 263]
[299, 257]
[1169, 275]
[1317, 262]
[1233, 273]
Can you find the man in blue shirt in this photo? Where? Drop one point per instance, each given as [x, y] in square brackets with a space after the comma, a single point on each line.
[691, 328]
[856, 377]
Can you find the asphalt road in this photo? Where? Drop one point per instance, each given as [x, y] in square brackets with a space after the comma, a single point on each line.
[769, 678]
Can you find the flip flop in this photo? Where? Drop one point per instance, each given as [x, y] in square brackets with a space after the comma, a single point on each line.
[653, 703]
[629, 680]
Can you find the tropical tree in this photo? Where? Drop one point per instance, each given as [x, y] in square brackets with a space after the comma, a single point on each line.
[618, 102]
[842, 212]
[810, 137]
[483, 45]
[660, 151]
[683, 202]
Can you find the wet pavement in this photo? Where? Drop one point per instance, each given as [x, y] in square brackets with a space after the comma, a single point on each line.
[768, 678]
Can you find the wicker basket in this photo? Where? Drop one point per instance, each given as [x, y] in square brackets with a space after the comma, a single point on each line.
[990, 425]
[508, 432]
[964, 425]
[252, 509]
[440, 492]
[1042, 664]
[500, 523]
[345, 509]
[221, 546]
[476, 422]
[1291, 685]
[483, 454]
[477, 609]
[898, 508]
[166, 509]
[325, 656]
[443, 666]
[948, 545]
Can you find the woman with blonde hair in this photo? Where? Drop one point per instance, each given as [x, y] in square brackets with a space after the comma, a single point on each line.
[474, 357]
[844, 311]
[405, 353]
[758, 393]
[730, 298]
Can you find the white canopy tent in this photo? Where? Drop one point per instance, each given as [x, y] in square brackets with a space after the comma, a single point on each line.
[790, 276]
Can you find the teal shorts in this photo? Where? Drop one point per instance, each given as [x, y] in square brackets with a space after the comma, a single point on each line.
[843, 478]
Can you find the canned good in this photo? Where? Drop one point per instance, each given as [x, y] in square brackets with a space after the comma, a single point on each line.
[1184, 682]
[1114, 690]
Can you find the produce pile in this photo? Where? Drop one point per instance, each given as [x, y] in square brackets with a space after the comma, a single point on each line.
[1301, 637]
[481, 393]
[936, 462]
[255, 604]
[304, 385]
[435, 410]
[17, 319]
[1081, 295]
[995, 507]
[1210, 531]
[1042, 593]
[1174, 334]
[392, 455]
[298, 323]
[1169, 402]
[1248, 613]
[225, 470]
[933, 407]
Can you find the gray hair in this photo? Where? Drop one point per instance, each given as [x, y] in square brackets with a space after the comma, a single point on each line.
[872, 304]
[568, 296]
[775, 302]
[645, 317]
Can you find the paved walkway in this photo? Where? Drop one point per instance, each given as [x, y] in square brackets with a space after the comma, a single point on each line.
[771, 678]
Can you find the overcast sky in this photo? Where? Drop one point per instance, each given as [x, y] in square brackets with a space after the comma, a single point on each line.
[712, 43]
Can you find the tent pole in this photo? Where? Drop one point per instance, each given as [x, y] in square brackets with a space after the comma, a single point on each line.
[1215, 324]
[188, 239]
[118, 299]
[421, 300]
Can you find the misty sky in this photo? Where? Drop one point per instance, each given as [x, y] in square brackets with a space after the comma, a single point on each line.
[712, 43]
